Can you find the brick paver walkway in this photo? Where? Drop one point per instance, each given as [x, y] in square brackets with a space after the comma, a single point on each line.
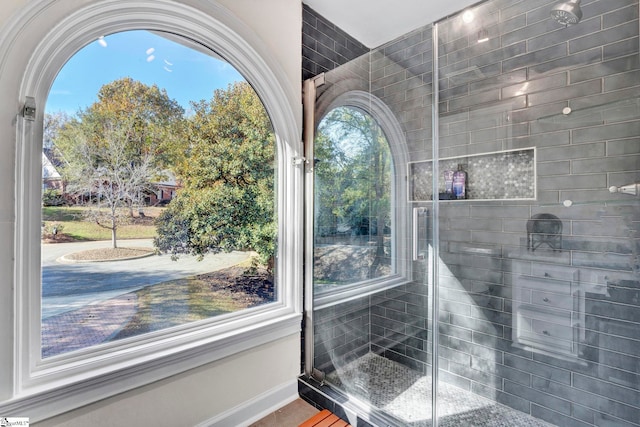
[87, 326]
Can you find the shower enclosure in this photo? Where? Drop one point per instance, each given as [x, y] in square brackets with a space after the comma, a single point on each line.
[516, 303]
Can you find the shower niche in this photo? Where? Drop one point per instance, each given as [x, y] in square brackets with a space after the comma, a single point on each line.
[501, 175]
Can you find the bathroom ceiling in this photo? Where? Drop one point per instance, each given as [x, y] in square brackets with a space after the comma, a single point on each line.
[375, 22]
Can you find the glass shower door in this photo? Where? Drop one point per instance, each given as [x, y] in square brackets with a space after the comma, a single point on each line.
[531, 277]
[539, 278]
[369, 252]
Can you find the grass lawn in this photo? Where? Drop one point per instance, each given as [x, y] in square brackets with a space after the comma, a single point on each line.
[76, 228]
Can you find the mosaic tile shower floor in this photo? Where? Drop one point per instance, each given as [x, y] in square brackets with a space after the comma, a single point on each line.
[405, 394]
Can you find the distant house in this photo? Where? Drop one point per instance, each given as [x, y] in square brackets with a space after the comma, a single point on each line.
[165, 190]
[51, 178]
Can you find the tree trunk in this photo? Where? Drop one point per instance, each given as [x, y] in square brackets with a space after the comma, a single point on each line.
[114, 242]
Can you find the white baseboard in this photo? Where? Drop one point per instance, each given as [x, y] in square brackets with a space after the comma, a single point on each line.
[256, 408]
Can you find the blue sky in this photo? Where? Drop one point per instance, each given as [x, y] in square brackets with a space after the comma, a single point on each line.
[186, 74]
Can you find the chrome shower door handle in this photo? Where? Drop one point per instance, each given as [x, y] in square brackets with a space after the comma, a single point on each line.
[420, 227]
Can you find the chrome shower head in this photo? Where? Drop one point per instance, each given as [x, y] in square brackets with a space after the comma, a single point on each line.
[567, 12]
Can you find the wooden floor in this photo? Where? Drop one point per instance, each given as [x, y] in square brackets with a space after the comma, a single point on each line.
[291, 415]
[325, 419]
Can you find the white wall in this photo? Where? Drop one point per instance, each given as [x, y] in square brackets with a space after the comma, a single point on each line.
[279, 24]
[202, 393]
[195, 396]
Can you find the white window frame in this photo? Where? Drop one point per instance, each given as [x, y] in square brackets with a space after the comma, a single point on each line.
[46, 387]
[384, 117]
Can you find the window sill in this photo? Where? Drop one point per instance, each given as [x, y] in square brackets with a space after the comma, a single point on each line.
[357, 290]
[43, 402]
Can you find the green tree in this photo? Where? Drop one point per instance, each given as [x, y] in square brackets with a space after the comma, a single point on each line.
[154, 119]
[53, 124]
[353, 178]
[227, 172]
[117, 147]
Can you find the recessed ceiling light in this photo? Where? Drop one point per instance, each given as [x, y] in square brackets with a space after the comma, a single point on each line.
[467, 16]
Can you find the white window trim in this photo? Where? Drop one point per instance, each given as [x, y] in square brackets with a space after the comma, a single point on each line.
[385, 118]
[43, 388]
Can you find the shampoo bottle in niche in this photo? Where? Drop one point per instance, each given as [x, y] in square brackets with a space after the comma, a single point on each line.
[460, 183]
[448, 182]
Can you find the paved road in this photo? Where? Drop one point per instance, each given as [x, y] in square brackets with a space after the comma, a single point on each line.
[68, 287]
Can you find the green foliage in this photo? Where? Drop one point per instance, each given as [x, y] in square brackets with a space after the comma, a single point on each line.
[154, 119]
[223, 154]
[147, 120]
[117, 147]
[227, 173]
[53, 124]
[353, 173]
[52, 197]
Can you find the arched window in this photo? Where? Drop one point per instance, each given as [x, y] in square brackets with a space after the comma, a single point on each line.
[132, 118]
[359, 212]
[353, 217]
[143, 358]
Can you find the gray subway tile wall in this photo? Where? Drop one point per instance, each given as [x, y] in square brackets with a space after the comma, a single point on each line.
[509, 94]
[324, 45]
